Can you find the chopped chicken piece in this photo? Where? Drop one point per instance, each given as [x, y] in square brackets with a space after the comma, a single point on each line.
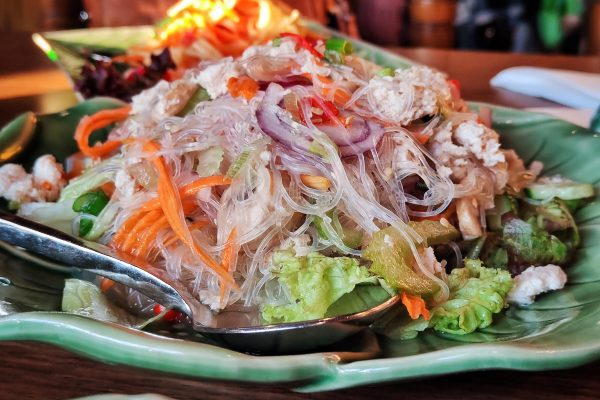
[43, 184]
[468, 218]
[410, 94]
[481, 141]
[214, 76]
[534, 281]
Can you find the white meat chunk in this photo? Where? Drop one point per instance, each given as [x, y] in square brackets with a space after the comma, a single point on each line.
[410, 94]
[43, 184]
[534, 281]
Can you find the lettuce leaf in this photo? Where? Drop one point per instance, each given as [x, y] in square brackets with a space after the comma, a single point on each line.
[528, 244]
[91, 179]
[84, 298]
[477, 293]
[312, 284]
[57, 215]
[209, 161]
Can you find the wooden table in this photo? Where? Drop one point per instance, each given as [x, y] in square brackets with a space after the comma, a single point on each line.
[38, 371]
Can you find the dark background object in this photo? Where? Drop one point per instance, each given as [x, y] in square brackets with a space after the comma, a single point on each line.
[509, 25]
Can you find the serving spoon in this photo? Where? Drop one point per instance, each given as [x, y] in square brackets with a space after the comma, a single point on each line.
[235, 327]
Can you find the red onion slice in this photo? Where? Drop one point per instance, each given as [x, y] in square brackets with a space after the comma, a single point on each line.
[276, 122]
[374, 133]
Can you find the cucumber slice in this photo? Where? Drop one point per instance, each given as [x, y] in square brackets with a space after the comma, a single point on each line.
[566, 190]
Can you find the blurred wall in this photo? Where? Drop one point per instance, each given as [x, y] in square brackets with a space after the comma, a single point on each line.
[36, 15]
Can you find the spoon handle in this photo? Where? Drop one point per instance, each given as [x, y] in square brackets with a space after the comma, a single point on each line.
[91, 256]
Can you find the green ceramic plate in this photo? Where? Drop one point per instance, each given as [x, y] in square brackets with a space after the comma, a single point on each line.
[561, 330]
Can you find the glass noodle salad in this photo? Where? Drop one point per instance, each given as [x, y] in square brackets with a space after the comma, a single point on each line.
[285, 178]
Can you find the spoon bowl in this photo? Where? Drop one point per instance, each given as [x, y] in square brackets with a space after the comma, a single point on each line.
[236, 327]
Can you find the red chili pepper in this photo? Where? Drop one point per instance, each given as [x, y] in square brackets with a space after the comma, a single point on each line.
[454, 88]
[171, 316]
[320, 104]
[302, 42]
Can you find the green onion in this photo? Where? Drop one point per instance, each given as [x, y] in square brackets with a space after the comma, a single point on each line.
[238, 164]
[199, 96]
[339, 45]
[386, 72]
[85, 226]
[13, 205]
[333, 57]
[277, 42]
[91, 203]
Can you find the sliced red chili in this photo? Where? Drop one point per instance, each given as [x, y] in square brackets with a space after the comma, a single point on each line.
[302, 42]
[171, 316]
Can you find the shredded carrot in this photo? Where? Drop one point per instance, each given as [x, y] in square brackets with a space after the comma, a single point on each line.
[420, 137]
[340, 96]
[108, 188]
[415, 306]
[244, 86]
[191, 189]
[99, 120]
[125, 229]
[446, 214]
[226, 260]
[148, 236]
[142, 224]
[196, 225]
[170, 202]
[106, 284]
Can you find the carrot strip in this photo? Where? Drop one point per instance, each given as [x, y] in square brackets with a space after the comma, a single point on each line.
[190, 189]
[142, 232]
[420, 137]
[340, 96]
[244, 86]
[149, 236]
[446, 214]
[415, 306]
[133, 236]
[106, 284]
[196, 225]
[170, 202]
[125, 228]
[226, 260]
[96, 121]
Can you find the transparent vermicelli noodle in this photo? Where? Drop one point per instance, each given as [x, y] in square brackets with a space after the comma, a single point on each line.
[295, 167]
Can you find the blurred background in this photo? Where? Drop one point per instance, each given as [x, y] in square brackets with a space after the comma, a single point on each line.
[532, 26]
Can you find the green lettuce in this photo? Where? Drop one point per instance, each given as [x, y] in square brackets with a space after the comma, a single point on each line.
[209, 161]
[477, 293]
[84, 298]
[91, 179]
[312, 284]
[528, 244]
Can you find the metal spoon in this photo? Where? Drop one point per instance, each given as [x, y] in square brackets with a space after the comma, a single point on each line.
[235, 327]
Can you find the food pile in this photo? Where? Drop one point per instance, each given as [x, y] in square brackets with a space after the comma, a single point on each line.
[289, 176]
[193, 31]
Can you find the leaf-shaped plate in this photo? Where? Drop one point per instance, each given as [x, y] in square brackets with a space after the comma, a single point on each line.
[560, 330]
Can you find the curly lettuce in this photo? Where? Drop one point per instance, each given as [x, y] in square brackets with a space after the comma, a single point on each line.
[312, 284]
[528, 244]
[477, 293]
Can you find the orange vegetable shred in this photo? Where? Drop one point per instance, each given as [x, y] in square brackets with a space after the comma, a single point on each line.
[244, 87]
[101, 119]
[415, 306]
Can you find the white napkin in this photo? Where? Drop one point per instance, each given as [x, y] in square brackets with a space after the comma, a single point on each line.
[573, 89]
